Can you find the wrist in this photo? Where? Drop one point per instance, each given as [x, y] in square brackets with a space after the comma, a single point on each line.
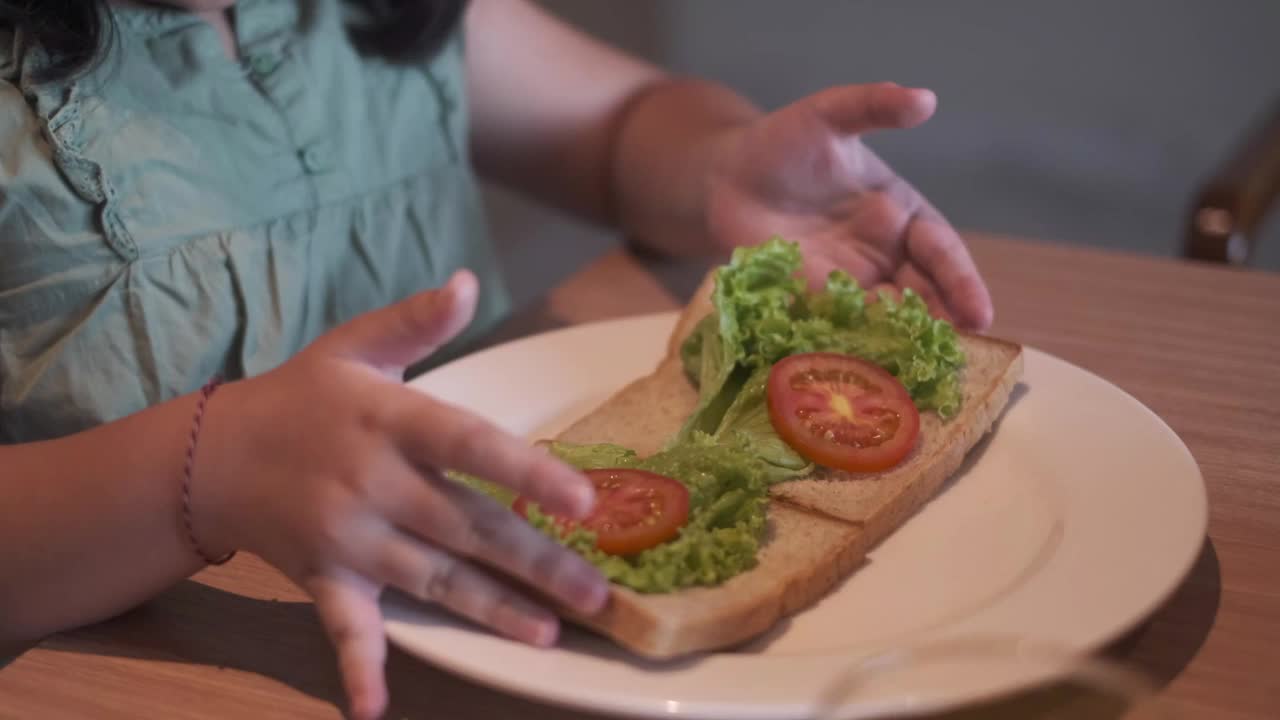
[718, 190]
[666, 157]
[210, 502]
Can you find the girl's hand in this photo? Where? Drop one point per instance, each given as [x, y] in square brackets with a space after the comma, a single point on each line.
[330, 469]
[804, 173]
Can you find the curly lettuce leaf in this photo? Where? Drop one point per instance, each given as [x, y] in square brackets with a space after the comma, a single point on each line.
[755, 295]
[727, 501]
[764, 313]
[593, 456]
[922, 351]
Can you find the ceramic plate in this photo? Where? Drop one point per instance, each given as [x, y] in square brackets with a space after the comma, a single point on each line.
[1068, 525]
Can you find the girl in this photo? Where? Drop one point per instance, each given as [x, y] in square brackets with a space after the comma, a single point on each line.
[260, 191]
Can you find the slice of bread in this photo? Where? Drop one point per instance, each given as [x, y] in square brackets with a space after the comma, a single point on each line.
[819, 527]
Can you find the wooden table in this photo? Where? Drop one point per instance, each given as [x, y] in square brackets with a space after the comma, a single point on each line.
[1199, 345]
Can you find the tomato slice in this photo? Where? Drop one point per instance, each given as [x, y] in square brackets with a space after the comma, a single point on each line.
[841, 411]
[635, 509]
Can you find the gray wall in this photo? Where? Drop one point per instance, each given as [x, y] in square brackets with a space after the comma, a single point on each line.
[1090, 121]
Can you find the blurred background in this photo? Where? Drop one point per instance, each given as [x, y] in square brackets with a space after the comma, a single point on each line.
[1093, 121]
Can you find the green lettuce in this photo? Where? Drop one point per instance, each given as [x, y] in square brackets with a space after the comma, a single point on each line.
[746, 425]
[728, 492]
[764, 312]
[727, 453]
[484, 487]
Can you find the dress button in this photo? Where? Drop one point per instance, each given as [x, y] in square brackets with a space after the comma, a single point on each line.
[264, 63]
[317, 158]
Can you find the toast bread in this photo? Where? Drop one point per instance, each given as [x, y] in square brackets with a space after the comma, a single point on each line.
[819, 528]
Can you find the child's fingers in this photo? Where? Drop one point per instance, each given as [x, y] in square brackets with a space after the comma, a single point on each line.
[473, 526]
[399, 335]
[434, 436]
[433, 575]
[940, 254]
[348, 608]
[856, 109]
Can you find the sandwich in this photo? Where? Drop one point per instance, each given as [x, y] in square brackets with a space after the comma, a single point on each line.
[785, 433]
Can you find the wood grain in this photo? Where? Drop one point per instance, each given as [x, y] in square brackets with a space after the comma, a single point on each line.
[1199, 345]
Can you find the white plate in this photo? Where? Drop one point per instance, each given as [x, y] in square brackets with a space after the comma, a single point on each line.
[1069, 525]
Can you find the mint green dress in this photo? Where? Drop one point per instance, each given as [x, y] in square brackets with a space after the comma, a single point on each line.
[176, 214]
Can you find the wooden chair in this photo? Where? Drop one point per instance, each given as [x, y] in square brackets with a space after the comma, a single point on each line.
[1229, 211]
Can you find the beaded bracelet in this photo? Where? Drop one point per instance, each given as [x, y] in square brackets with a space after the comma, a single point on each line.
[205, 393]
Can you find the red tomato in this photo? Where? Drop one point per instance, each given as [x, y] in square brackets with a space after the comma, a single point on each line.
[841, 411]
[635, 509]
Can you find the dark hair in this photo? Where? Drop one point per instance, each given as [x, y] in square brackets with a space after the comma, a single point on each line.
[75, 33]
